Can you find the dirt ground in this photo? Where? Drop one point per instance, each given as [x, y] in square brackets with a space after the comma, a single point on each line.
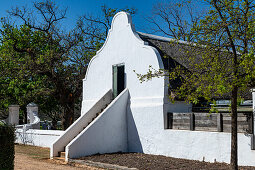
[156, 162]
[37, 158]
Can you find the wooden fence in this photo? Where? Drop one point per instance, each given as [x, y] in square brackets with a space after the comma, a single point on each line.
[220, 122]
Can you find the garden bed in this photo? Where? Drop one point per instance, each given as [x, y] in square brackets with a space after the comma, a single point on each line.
[145, 161]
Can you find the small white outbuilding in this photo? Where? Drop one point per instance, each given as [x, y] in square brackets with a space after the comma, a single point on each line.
[121, 114]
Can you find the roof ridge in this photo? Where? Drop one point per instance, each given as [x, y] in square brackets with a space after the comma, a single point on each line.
[161, 38]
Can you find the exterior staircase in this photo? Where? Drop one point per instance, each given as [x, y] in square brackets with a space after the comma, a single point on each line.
[61, 154]
[105, 119]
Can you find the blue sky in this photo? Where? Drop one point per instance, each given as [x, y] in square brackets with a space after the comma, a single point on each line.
[79, 7]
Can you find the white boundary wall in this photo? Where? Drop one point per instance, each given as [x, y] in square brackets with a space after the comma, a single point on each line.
[207, 146]
[146, 134]
[200, 145]
[43, 138]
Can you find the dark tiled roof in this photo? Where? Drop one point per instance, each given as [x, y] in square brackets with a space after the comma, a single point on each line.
[173, 54]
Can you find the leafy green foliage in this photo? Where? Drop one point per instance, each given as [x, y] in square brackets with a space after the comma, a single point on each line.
[43, 64]
[40, 63]
[221, 61]
[211, 70]
[18, 82]
[7, 152]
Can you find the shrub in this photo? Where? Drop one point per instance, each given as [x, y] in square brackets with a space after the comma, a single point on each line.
[7, 139]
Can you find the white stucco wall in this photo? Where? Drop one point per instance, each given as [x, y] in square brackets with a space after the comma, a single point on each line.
[106, 134]
[42, 138]
[207, 146]
[141, 123]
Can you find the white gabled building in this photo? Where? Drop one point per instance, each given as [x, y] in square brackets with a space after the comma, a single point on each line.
[121, 114]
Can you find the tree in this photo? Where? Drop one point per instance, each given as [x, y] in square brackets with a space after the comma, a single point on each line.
[45, 60]
[50, 63]
[220, 55]
[16, 86]
[175, 19]
[229, 26]
[95, 28]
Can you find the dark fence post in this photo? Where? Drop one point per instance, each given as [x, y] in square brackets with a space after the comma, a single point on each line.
[251, 124]
[170, 120]
[252, 117]
[252, 142]
[165, 120]
[219, 122]
[192, 121]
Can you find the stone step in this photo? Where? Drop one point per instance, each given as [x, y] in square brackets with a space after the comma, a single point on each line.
[59, 158]
[62, 154]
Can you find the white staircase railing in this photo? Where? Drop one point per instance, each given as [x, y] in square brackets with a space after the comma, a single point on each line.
[106, 134]
[79, 125]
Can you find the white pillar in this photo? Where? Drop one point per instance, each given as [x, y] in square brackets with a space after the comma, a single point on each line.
[13, 118]
[32, 111]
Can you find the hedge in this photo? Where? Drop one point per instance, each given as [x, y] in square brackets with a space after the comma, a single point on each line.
[7, 139]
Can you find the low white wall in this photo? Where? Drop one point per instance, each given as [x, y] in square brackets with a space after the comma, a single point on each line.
[43, 138]
[146, 134]
[107, 134]
[201, 145]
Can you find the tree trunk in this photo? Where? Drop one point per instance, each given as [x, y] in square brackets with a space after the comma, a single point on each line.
[68, 116]
[234, 146]
[54, 124]
[24, 109]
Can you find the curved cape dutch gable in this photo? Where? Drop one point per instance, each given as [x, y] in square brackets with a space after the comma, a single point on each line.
[123, 46]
